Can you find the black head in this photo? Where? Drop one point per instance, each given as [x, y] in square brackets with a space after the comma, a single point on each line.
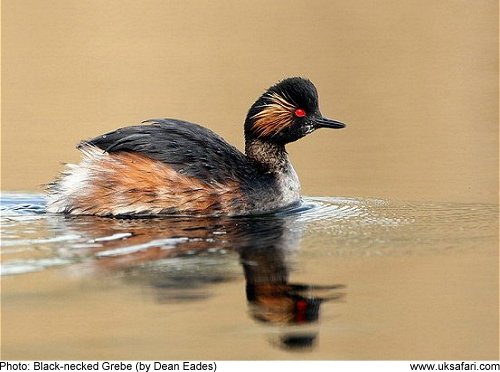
[286, 112]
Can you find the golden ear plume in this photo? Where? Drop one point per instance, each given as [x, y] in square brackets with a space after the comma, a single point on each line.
[274, 116]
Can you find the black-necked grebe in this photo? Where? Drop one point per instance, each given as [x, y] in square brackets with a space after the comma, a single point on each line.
[175, 167]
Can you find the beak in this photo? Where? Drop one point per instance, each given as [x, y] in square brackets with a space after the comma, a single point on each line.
[323, 122]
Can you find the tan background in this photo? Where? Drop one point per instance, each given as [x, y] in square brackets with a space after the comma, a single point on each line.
[417, 82]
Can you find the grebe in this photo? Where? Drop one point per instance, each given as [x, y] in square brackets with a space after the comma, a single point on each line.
[170, 166]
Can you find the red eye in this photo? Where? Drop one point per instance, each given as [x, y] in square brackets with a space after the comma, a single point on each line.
[300, 113]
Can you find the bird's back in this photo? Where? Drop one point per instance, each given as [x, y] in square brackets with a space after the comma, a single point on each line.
[188, 148]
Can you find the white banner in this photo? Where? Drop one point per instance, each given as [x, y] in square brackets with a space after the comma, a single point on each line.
[253, 366]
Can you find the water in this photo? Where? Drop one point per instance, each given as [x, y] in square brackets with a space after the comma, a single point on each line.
[335, 278]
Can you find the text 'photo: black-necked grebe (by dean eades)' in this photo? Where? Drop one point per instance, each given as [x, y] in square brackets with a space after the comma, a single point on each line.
[173, 167]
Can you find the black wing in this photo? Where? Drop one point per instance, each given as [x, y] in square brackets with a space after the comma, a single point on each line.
[188, 148]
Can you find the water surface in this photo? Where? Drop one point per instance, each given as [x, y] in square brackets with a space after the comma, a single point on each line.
[335, 278]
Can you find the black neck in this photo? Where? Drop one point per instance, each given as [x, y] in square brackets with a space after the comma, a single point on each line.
[271, 157]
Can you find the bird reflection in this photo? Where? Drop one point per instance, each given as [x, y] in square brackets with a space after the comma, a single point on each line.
[272, 298]
[148, 249]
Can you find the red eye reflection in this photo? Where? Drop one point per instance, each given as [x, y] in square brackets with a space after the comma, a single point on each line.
[300, 113]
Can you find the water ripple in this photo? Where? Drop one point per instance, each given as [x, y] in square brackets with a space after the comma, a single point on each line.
[161, 243]
[33, 240]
